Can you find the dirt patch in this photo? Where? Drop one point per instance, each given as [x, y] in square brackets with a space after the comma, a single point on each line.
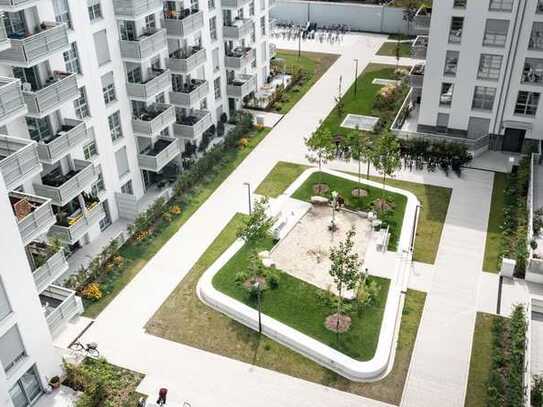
[332, 323]
[253, 280]
[382, 204]
[359, 193]
[320, 188]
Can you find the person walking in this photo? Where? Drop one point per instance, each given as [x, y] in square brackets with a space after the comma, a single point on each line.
[162, 393]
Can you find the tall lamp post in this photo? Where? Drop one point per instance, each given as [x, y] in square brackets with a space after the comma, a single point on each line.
[355, 75]
[249, 196]
[258, 298]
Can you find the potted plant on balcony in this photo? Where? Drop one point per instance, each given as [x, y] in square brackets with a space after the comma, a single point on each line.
[54, 382]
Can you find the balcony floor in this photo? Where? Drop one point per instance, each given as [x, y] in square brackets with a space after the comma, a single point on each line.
[62, 397]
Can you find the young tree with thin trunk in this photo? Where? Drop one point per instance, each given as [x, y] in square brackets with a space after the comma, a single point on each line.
[321, 147]
[257, 226]
[359, 144]
[386, 157]
[410, 8]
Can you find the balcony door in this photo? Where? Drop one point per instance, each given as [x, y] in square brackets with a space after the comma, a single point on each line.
[513, 139]
[26, 390]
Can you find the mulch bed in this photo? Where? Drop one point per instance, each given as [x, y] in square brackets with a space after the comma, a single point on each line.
[320, 188]
[359, 193]
[331, 323]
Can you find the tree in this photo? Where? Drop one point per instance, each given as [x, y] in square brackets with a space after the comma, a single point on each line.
[386, 157]
[398, 52]
[410, 8]
[359, 144]
[345, 269]
[340, 104]
[321, 147]
[256, 227]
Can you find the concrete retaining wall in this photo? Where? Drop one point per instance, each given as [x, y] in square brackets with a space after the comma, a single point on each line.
[359, 17]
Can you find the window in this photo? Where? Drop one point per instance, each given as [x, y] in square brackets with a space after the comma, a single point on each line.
[215, 59]
[122, 162]
[533, 71]
[447, 90]
[150, 22]
[99, 184]
[455, 33]
[71, 59]
[5, 308]
[252, 8]
[489, 67]
[451, 63]
[26, 390]
[95, 10]
[211, 4]
[90, 150]
[213, 28]
[160, 98]
[38, 129]
[459, 3]
[101, 46]
[108, 88]
[262, 4]
[12, 350]
[501, 5]
[114, 121]
[105, 222]
[127, 188]
[496, 33]
[264, 52]
[539, 8]
[62, 12]
[536, 37]
[217, 87]
[80, 104]
[133, 74]
[263, 25]
[194, 5]
[527, 103]
[483, 98]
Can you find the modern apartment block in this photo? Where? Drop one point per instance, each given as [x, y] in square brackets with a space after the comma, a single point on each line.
[482, 80]
[98, 100]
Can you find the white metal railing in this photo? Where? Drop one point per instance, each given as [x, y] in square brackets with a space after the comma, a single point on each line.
[51, 270]
[20, 160]
[64, 141]
[53, 95]
[148, 128]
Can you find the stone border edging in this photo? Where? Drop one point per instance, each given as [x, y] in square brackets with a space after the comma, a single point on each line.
[322, 354]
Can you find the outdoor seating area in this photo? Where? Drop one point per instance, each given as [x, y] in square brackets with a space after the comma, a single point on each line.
[23, 205]
[189, 86]
[57, 178]
[156, 148]
[72, 212]
[50, 136]
[184, 53]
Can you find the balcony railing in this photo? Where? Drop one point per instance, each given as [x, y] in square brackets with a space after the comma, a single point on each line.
[135, 8]
[159, 154]
[60, 305]
[416, 76]
[50, 269]
[4, 40]
[238, 29]
[15, 4]
[190, 95]
[159, 81]
[422, 20]
[60, 88]
[241, 86]
[239, 58]
[19, 160]
[62, 188]
[235, 4]
[154, 120]
[192, 126]
[145, 46]
[34, 215]
[70, 135]
[183, 24]
[74, 232]
[12, 103]
[185, 61]
[33, 48]
[420, 47]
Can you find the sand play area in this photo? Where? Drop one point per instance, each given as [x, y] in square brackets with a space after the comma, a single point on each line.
[303, 253]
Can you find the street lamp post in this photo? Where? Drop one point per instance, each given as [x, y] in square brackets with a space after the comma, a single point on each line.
[355, 76]
[258, 295]
[334, 203]
[249, 196]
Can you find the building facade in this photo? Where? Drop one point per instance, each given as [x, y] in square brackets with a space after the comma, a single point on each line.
[99, 99]
[482, 78]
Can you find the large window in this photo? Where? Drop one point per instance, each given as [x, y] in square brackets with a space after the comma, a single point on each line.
[38, 129]
[451, 63]
[26, 390]
[90, 150]
[455, 33]
[62, 12]
[263, 25]
[213, 28]
[217, 87]
[536, 37]
[12, 350]
[5, 308]
[446, 95]
[114, 121]
[460, 3]
[101, 47]
[527, 103]
[533, 71]
[80, 104]
[95, 10]
[496, 33]
[489, 67]
[539, 8]
[99, 185]
[483, 98]
[108, 88]
[501, 5]
[71, 59]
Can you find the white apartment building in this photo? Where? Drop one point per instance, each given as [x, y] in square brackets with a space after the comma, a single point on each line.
[98, 100]
[482, 79]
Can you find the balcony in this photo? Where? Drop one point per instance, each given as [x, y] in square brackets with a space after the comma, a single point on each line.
[156, 156]
[71, 134]
[145, 46]
[416, 76]
[74, 227]
[185, 61]
[159, 81]
[48, 264]
[62, 188]
[19, 160]
[191, 94]
[133, 9]
[12, 104]
[420, 47]
[59, 89]
[234, 4]
[181, 24]
[422, 20]
[60, 305]
[153, 120]
[241, 86]
[33, 48]
[4, 40]
[15, 5]
[238, 29]
[239, 58]
[33, 213]
[192, 126]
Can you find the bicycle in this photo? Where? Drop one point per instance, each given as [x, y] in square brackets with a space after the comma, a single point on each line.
[91, 349]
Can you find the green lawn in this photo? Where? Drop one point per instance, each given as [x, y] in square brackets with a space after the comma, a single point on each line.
[140, 255]
[481, 361]
[495, 221]
[389, 49]
[279, 178]
[299, 305]
[183, 318]
[363, 102]
[393, 218]
[313, 63]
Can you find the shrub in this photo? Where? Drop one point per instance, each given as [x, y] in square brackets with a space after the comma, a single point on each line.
[92, 292]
